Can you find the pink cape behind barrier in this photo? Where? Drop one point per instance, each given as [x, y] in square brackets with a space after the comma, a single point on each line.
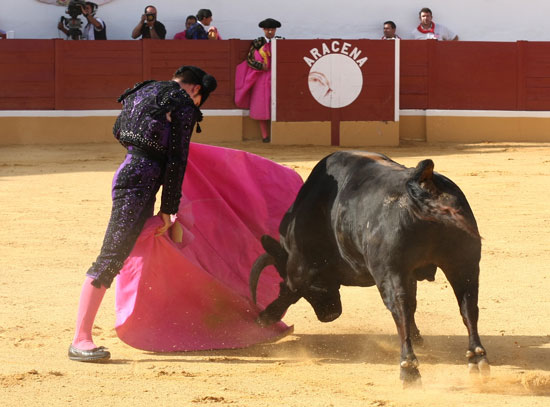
[194, 295]
[253, 88]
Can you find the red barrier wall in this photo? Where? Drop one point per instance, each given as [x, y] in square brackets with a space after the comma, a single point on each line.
[475, 75]
[375, 101]
[80, 75]
[27, 74]
[534, 89]
[67, 75]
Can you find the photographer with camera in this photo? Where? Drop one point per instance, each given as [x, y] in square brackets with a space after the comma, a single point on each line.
[95, 28]
[149, 26]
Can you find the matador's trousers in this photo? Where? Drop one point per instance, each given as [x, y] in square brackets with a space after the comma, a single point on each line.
[135, 186]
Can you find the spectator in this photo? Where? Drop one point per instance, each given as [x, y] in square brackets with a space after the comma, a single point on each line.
[189, 21]
[202, 30]
[2, 34]
[253, 78]
[95, 28]
[427, 29]
[149, 26]
[389, 31]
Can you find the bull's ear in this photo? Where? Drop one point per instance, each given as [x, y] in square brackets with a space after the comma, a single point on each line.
[424, 170]
[272, 247]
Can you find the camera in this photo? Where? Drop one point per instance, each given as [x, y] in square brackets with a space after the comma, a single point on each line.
[74, 9]
[74, 25]
[150, 17]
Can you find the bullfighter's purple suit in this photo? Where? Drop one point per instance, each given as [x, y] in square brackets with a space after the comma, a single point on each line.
[157, 155]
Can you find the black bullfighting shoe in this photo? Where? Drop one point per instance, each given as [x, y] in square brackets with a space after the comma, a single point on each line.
[100, 354]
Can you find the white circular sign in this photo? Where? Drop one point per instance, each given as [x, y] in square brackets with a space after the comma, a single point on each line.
[335, 80]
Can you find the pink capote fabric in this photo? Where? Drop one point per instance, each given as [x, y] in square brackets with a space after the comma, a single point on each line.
[195, 295]
[253, 88]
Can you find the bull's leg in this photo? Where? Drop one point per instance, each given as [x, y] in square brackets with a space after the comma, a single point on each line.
[415, 332]
[275, 311]
[397, 292]
[466, 286]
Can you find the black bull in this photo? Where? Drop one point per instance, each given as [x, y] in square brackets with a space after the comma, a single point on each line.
[361, 219]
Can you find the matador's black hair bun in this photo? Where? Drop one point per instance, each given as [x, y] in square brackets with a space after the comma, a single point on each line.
[209, 84]
[196, 76]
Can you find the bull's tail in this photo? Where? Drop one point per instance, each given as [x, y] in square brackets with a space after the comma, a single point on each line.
[438, 199]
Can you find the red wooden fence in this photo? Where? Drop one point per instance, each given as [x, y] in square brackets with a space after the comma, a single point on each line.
[76, 75]
[475, 75]
[375, 101]
[80, 75]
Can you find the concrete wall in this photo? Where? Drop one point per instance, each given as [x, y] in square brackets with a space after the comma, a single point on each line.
[472, 20]
[71, 127]
[57, 127]
[474, 126]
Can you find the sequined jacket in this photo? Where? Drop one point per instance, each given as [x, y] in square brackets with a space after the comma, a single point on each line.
[142, 123]
[196, 32]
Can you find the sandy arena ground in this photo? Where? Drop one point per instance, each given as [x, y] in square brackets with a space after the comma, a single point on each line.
[56, 200]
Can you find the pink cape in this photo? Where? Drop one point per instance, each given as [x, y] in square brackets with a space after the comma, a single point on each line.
[253, 88]
[194, 295]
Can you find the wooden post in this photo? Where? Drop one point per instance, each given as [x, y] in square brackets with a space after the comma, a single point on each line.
[334, 127]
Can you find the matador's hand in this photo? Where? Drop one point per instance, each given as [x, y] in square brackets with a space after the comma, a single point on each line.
[167, 219]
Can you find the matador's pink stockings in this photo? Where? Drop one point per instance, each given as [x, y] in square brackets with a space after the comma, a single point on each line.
[90, 300]
[264, 125]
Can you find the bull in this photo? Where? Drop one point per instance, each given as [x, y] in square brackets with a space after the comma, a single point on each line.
[361, 219]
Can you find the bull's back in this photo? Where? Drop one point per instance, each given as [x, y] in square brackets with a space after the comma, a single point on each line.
[383, 209]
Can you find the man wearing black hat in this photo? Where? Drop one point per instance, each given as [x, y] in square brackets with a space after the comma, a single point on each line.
[269, 26]
[253, 78]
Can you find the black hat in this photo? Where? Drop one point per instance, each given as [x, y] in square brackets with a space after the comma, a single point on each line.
[269, 23]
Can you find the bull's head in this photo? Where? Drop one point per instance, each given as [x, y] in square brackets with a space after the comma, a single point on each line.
[300, 279]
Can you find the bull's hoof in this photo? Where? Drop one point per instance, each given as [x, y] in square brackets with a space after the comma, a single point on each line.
[411, 378]
[478, 362]
[329, 317]
[266, 320]
[409, 374]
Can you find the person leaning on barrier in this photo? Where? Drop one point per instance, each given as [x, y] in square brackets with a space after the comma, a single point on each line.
[253, 78]
[389, 31]
[149, 26]
[202, 30]
[95, 28]
[189, 21]
[427, 29]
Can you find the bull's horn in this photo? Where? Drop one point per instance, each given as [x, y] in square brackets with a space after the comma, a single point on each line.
[261, 262]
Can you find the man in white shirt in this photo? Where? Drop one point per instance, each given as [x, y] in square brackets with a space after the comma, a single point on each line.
[95, 28]
[427, 29]
[389, 31]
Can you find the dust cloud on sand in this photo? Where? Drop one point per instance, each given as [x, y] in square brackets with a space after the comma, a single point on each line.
[56, 201]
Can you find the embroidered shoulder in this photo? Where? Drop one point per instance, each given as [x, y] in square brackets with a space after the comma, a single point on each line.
[173, 97]
[136, 87]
